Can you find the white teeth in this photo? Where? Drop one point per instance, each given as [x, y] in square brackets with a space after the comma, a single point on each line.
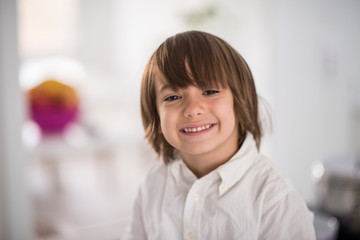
[198, 129]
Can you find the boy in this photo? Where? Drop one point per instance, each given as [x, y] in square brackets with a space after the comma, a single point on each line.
[200, 113]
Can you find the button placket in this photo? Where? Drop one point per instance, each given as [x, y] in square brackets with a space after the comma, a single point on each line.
[191, 235]
[193, 207]
[222, 188]
[191, 216]
[195, 197]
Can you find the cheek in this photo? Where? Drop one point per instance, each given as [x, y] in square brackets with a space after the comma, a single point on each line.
[226, 110]
[230, 115]
[166, 119]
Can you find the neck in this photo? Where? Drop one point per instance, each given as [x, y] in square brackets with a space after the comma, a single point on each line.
[205, 163]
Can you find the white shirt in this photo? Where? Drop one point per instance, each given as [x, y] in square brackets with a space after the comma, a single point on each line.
[245, 198]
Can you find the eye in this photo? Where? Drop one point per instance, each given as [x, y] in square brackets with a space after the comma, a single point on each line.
[172, 98]
[211, 92]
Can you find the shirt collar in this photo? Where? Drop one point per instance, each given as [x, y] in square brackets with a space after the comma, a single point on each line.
[230, 172]
[233, 170]
[180, 172]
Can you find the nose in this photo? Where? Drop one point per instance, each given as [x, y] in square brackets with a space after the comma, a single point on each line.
[193, 107]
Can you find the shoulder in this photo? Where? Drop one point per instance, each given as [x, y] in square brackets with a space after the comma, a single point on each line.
[282, 203]
[271, 178]
[158, 168]
[271, 186]
[156, 174]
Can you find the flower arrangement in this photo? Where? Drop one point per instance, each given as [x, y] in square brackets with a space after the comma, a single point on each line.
[52, 105]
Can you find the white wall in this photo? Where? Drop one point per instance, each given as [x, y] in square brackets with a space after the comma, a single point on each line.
[317, 58]
[14, 205]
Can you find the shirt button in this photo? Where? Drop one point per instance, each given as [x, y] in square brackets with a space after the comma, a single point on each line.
[191, 235]
[196, 196]
[223, 187]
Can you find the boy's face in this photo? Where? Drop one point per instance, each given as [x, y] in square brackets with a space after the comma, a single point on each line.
[197, 122]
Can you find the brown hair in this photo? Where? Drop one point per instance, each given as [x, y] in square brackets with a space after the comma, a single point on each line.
[212, 62]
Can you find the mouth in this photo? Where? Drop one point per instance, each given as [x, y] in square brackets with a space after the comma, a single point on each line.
[196, 129]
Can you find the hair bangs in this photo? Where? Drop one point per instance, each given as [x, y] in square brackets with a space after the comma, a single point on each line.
[187, 60]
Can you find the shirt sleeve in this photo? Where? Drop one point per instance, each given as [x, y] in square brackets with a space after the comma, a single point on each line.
[287, 217]
[136, 230]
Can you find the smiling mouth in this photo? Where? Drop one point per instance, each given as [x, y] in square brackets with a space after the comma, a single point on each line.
[196, 129]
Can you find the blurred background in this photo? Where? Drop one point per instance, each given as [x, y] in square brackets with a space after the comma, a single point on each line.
[72, 151]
